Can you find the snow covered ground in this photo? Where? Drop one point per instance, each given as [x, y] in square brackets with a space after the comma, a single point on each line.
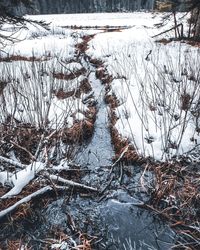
[156, 84]
[152, 83]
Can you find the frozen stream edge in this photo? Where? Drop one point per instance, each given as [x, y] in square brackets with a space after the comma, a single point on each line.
[99, 151]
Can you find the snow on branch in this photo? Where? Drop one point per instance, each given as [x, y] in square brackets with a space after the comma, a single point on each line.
[22, 178]
[14, 163]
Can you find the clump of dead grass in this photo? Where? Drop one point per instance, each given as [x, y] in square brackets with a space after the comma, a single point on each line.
[83, 46]
[71, 75]
[176, 198]
[11, 58]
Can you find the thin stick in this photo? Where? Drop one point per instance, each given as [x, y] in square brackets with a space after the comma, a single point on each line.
[14, 163]
[71, 183]
[24, 149]
[24, 200]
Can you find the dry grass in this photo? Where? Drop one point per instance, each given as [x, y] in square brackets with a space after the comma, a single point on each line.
[176, 198]
[104, 76]
[70, 76]
[24, 210]
[84, 88]
[24, 135]
[81, 130]
[96, 62]
[163, 41]
[112, 101]
[83, 46]
[24, 58]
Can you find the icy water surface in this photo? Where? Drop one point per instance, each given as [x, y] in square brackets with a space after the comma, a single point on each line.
[115, 219]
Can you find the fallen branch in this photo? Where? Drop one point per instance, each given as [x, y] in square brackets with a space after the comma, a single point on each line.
[173, 28]
[24, 149]
[71, 183]
[14, 163]
[119, 158]
[142, 178]
[23, 177]
[24, 200]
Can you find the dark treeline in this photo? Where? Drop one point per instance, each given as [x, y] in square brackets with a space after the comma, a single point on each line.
[79, 6]
[84, 6]
[87, 6]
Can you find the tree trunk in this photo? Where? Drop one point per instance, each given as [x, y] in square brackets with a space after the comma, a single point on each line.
[197, 26]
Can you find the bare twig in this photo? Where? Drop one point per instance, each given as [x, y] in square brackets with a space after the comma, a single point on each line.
[24, 149]
[72, 183]
[14, 163]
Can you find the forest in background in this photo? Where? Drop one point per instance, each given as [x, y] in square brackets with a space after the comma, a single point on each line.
[85, 6]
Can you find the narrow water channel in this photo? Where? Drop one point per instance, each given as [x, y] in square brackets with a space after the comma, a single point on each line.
[99, 152]
[114, 219]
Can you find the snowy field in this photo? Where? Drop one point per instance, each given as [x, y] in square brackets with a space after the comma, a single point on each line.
[156, 84]
[50, 92]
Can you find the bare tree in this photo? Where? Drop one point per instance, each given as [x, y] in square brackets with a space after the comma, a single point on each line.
[193, 6]
[8, 15]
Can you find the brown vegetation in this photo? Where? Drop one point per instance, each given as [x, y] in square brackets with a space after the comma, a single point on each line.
[71, 75]
[84, 87]
[83, 46]
[96, 62]
[112, 101]
[81, 130]
[12, 58]
[104, 76]
[176, 198]
[130, 156]
[22, 138]
[23, 210]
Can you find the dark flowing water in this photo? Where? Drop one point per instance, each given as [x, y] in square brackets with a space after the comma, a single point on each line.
[117, 222]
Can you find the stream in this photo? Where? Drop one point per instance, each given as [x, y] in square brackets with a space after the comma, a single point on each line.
[113, 218]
